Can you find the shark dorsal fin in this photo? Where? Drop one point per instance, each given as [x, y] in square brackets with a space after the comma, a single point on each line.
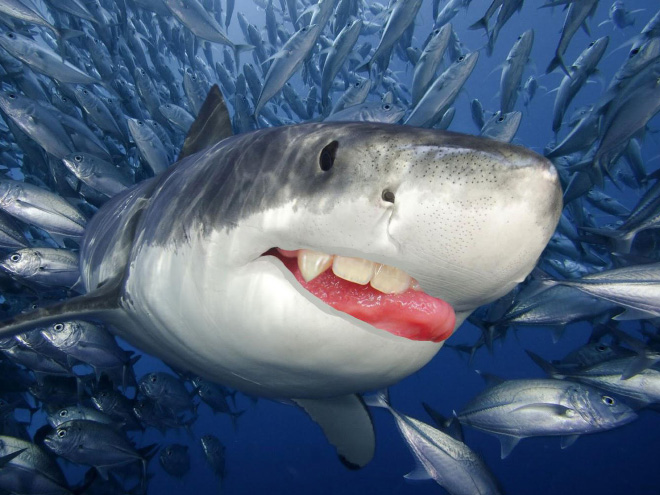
[211, 125]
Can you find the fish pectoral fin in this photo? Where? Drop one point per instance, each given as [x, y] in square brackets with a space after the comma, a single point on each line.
[568, 440]
[211, 126]
[508, 443]
[544, 407]
[346, 423]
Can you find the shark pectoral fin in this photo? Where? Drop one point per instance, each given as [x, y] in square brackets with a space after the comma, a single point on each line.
[211, 126]
[508, 443]
[347, 425]
[95, 304]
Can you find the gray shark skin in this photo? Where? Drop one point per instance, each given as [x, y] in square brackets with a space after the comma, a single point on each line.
[179, 265]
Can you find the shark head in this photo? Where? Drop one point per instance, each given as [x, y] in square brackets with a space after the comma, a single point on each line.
[233, 268]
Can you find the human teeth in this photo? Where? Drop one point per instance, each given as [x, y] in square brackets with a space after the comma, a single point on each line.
[313, 263]
[356, 270]
[390, 280]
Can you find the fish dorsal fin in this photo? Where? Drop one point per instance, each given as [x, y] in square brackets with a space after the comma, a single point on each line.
[212, 124]
[490, 379]
[347, 425]
[95, 304]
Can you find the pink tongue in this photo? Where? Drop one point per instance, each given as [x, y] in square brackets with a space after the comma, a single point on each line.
[413, 314]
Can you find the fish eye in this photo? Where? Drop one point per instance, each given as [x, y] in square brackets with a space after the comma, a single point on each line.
[61, 433]
[357, 84]
[388, 196]
[601, 348]
[58, 327]
[592, 43]
[78, 158]
[387, 107]
[501, 119]
[634, 52]
[15, 258]
[12, 96]
[153, 378]
[520, 37]
[461, 58]
[84, 91]
[607, 400]
[327, 156]
[64, 413]
[11, 35]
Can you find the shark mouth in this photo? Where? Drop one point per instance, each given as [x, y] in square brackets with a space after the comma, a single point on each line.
[380, 295]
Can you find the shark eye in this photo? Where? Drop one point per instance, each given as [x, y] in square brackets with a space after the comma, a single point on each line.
[327, 156]
[607, 400]
[388, 196]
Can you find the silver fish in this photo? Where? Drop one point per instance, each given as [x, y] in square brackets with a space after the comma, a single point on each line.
[516, 409]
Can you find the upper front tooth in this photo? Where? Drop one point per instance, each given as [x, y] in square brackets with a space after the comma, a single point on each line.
[390, 280]
[355, 270]
[313, 263]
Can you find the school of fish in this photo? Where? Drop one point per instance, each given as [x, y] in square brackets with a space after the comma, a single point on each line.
[99, 95]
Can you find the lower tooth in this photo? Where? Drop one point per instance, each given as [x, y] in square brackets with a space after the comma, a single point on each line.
[356, 270]
[313, 263]
[390, 280]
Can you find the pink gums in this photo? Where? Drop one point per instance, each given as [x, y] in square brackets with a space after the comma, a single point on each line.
[413, 314]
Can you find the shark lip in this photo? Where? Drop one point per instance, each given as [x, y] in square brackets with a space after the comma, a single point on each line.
[412, 314]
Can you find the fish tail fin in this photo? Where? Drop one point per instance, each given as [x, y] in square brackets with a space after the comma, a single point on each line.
[480, 24]
[557, 61]
[238, 49]
[67, 34]
[234, 418]
[366, 67]
[379, 399]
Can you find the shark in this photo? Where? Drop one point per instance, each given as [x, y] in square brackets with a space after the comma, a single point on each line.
[313, 262]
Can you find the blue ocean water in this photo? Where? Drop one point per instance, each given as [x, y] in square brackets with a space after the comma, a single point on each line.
[276, 448]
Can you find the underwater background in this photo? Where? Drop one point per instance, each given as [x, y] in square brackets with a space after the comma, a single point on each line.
[276, 448]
